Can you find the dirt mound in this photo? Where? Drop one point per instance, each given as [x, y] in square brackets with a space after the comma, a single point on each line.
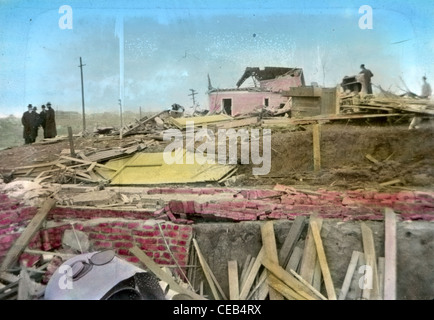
[352, 156]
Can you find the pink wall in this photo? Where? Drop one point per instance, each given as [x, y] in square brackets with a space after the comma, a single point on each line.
[243, 101]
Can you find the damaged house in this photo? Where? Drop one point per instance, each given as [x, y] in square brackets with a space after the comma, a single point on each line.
[268, 85]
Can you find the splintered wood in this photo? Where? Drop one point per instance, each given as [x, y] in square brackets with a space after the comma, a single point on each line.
[274, 273]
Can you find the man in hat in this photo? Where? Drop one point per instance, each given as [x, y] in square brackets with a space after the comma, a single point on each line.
[366, 76]
[426, 89]
[42, 118]
[25, 121]
[425, 94]
[50, 122]
[34, 124]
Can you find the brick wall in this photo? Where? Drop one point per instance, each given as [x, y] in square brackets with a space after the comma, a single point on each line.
[163, 241]
[120, 230]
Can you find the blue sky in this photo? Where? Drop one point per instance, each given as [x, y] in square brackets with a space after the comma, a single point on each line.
[171, 46]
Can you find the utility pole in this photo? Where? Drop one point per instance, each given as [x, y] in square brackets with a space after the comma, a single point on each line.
[122, 122]
[82, 95]
[194, 101]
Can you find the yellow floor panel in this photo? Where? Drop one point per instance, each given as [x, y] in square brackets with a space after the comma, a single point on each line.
[150, 168]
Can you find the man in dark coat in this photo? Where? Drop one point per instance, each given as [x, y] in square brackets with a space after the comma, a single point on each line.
[42, 117]
[35, 122]
[25, 121]
[50, 122]
[366, 79]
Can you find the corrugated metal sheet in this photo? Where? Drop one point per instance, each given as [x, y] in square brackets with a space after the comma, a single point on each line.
[150, 169]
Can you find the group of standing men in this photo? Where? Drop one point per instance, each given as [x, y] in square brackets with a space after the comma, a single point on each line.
[32, 120]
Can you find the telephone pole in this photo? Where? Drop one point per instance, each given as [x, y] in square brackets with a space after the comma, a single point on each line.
[192, 94]
[82, 95]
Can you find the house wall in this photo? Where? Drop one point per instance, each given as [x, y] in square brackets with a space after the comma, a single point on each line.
[243, 101]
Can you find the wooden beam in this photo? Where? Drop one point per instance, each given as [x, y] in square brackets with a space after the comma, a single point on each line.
[234, 293]
[357, 285]
[252, 274]
[316, 147]
[372, 289]
[308, 262]
[294, 260]
[328, 282]
[25, 237]
[288, 279]
[249, 267]
[71, 142]
[162, 275]
[269, 243]
[283, 289]
[244, 270]
[291, 239]
[209, 274]
[349, 275]
[381, 276]
[317, 276]
[390, 255]
[314, 290]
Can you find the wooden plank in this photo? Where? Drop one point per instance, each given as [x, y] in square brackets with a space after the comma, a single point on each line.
[249, 267]
[314, 290]
[307, 268]
[381, 276]
[291, 240]
[317, 276]
[288, 279]
[283, 289]
[328, 282]
[234, 293]
[262, 284]
[25, 237]
[24, 286]
[358, 281]
[244, 269]
[208, 274]
[294, 260]
[269, 243]
[162, 275]
[371, 291]
[349, 275]
[71, 142]
[259, 284]
[316, 147]
[252, 274]
[390, 250]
